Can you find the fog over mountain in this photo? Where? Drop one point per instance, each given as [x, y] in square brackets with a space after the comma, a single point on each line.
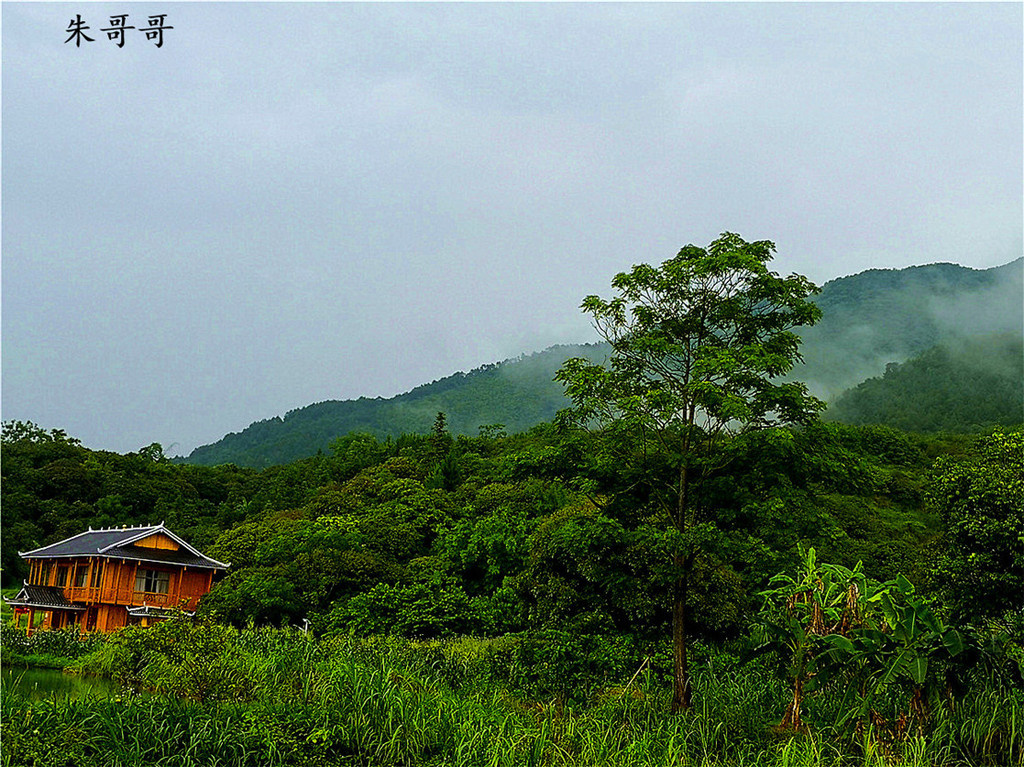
[889, 315]
[871, 320]
[960, 385]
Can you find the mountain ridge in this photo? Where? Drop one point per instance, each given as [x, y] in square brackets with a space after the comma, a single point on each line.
[523, 387]
[871, 319]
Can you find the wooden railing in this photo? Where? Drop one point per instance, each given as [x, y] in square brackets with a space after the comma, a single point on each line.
[129, 596]
[82, 593]
[164, 600]
[153, 599]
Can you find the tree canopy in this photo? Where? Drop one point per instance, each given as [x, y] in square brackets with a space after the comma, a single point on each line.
[698, 346]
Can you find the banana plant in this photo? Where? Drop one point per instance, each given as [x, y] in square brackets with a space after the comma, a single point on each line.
[807, 617]
[830, 622]
[910, 638]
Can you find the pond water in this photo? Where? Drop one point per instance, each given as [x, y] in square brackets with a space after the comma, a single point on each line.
[38, 683]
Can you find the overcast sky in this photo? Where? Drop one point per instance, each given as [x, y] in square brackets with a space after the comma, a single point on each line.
[289, 203]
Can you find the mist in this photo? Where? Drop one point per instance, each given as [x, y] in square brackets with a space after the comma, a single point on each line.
[865, 328]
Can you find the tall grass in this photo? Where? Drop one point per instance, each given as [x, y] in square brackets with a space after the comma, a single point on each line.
[279, 698]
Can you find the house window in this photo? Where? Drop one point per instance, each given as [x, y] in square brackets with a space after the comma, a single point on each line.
[81, 573]
[44, 574]
[62, 576]
[97, 574]
[152, 581]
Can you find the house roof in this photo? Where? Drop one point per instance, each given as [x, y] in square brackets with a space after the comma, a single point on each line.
[119, 543]
[48, 597]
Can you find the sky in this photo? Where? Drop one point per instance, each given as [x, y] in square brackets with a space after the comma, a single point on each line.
[288, 203]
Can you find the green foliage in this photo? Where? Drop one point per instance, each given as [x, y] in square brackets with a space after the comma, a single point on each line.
[970, 387]
[255, 594]
[177, 656]
[418, 610]
[60, 647]
[492, 544]
[583, 570]
[567, 665]
[519, 393]
[806, 615]
[980, 497]
[354, 452]
[870, 645]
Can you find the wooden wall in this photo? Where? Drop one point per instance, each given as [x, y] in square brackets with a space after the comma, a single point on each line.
[158, 541]
[117, 584]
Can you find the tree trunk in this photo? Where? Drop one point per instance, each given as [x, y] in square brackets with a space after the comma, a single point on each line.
[682, 696]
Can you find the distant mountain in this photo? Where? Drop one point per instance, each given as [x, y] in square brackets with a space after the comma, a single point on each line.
[957, 387]
[870, 320]
[890, 315]
[517, 393]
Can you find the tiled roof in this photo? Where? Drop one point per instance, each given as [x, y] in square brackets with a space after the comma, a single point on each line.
[118, 543]
[164, 556]
[50, 597]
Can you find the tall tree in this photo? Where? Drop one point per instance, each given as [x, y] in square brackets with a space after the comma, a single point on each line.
[697, 347]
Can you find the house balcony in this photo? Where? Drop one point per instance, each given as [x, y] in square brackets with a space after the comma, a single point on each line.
[82, 593]
[129, 597]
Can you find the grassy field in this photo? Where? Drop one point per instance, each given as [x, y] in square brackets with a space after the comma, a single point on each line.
[278, 698]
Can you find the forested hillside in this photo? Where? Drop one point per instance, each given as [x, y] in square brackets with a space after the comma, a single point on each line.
[889, 315]
[869, 320]
[960, 387]
[513, 395]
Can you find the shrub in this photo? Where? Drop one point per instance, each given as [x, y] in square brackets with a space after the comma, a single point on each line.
[559, 664]
[66, 643]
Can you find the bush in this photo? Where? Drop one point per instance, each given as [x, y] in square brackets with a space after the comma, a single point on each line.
[177, 657]
[559, 664]
[66, 643]
[415, 610]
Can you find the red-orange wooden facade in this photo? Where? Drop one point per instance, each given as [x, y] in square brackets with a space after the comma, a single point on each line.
[133, 575]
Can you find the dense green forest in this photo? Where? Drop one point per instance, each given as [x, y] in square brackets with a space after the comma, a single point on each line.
[854, 492]
[434, 535]
[964, 387]
[546, 554]
[869, 320]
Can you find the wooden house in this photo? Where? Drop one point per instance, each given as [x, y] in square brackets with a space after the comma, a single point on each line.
[103, 580]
